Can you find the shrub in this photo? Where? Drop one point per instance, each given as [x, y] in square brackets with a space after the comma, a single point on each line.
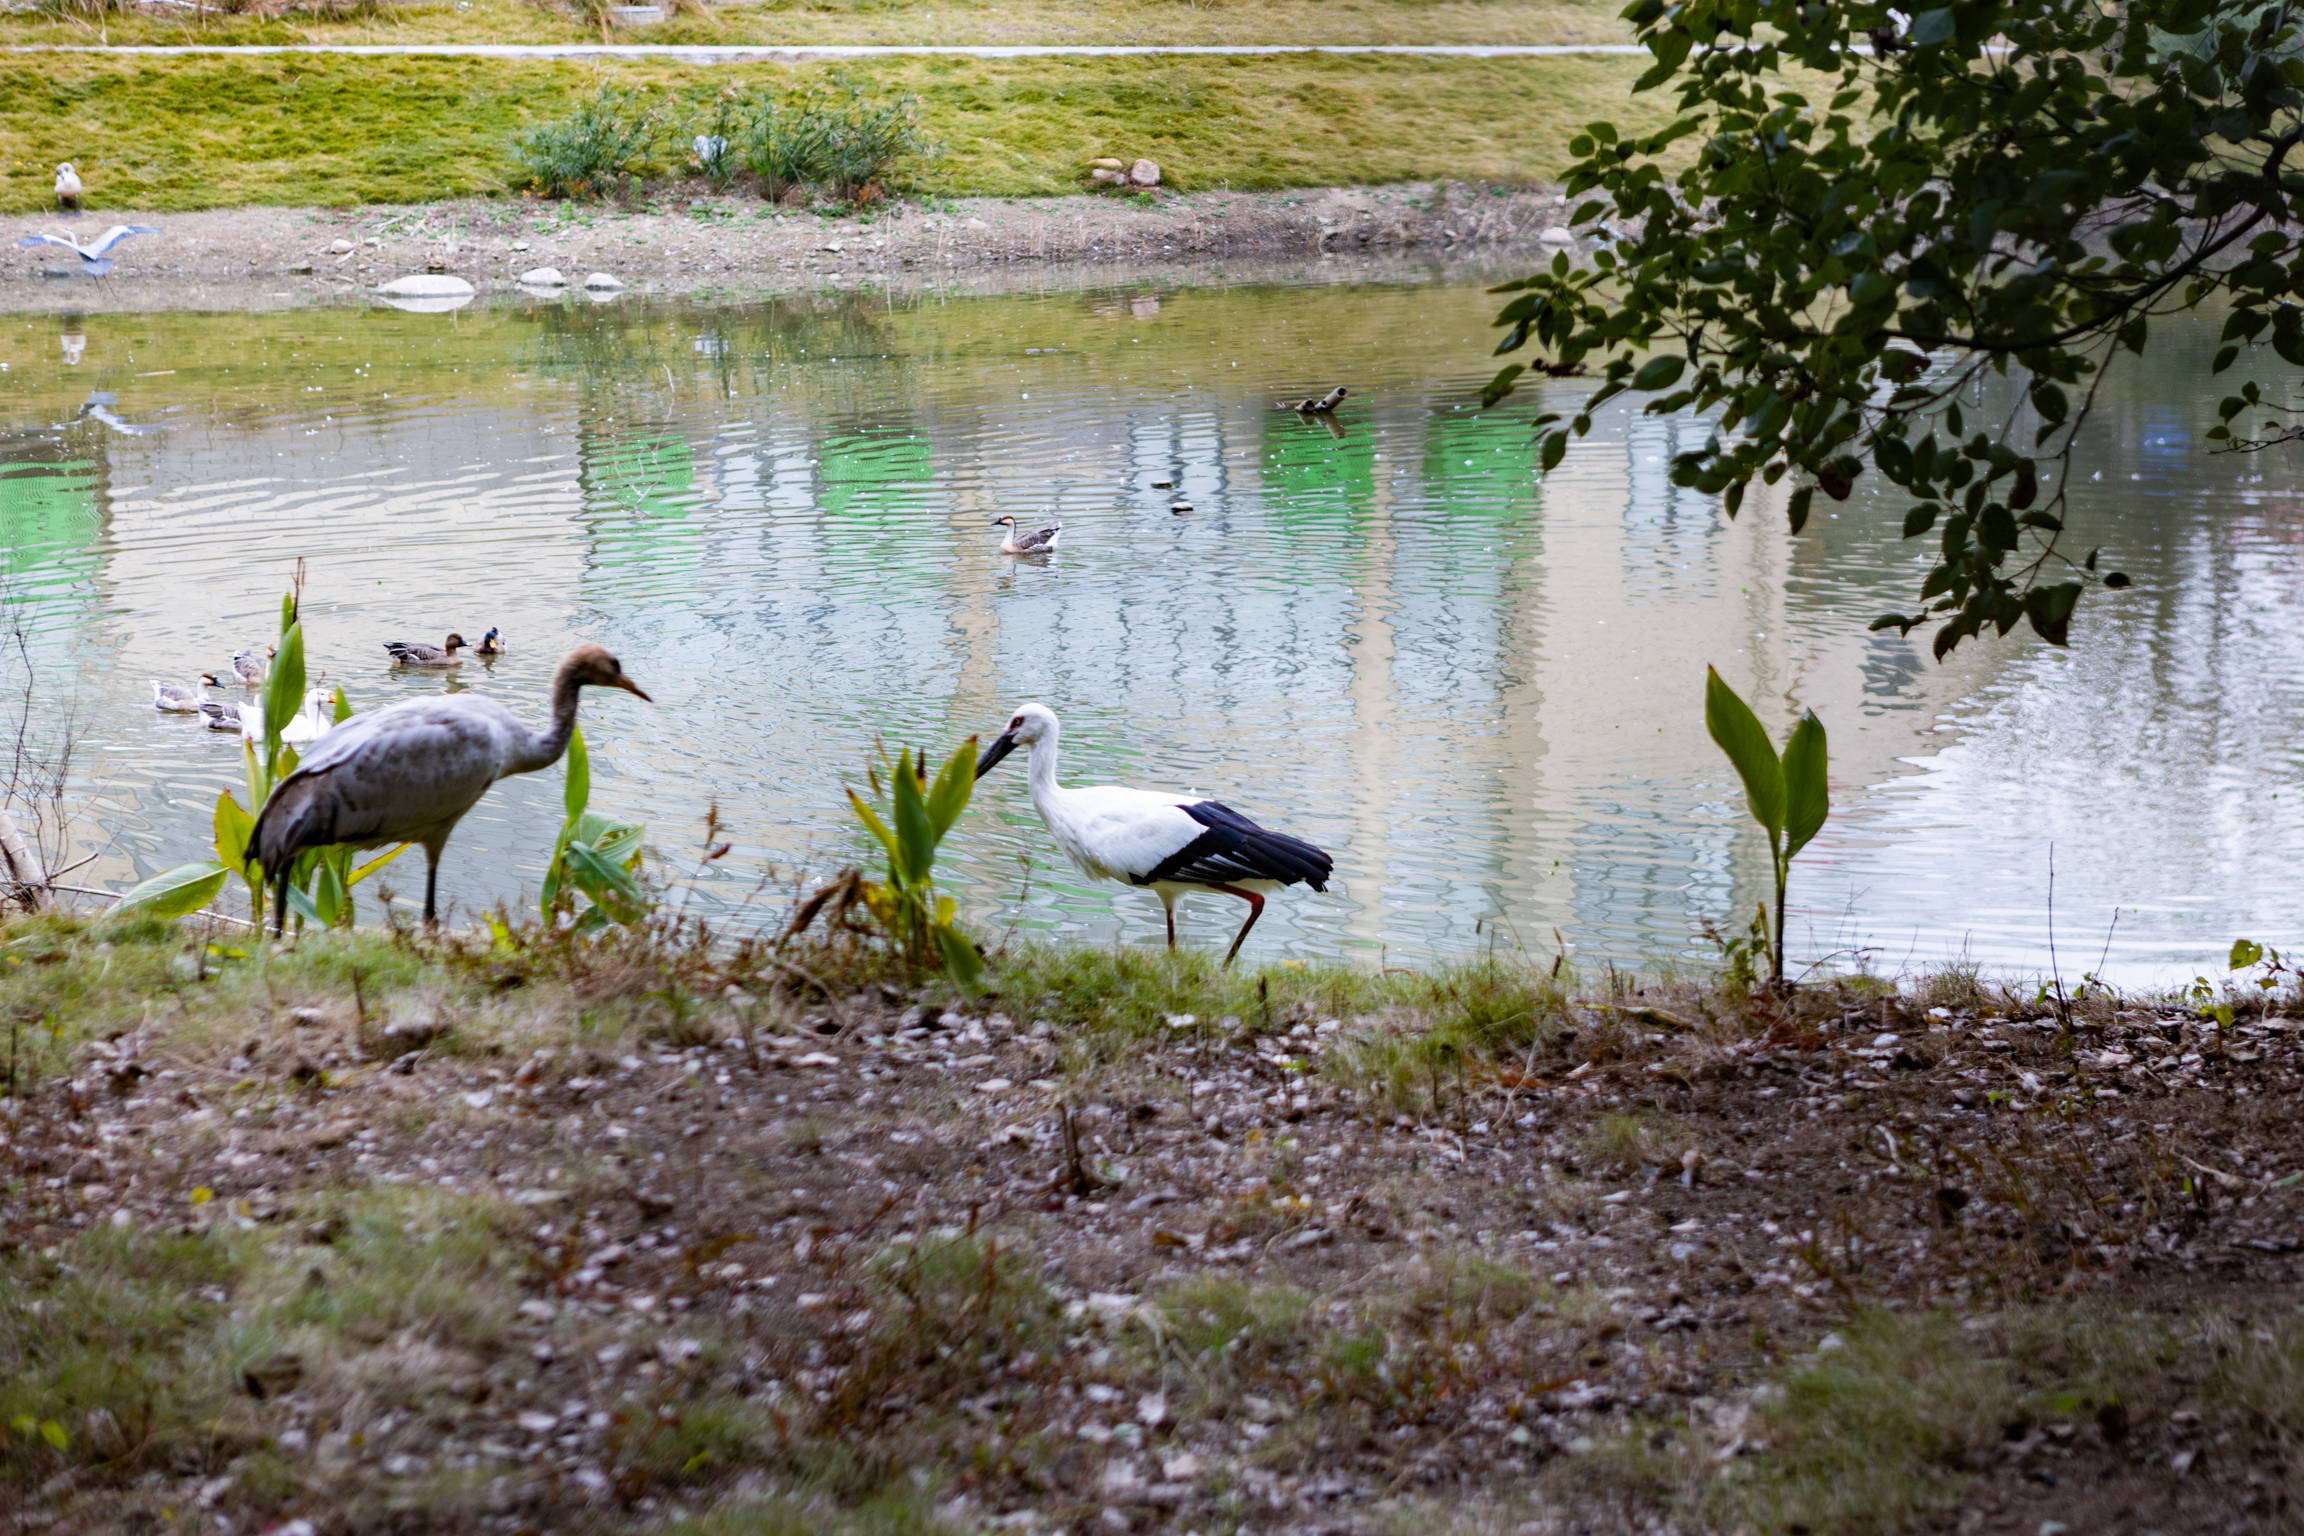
[835, 137]
[586, 153]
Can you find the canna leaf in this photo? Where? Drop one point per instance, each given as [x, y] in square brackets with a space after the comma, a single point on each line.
[343, 706]
[234, 827]
[174, 892]
[915, 839]
[1738, 733]
[960, 956]
[579, 790]
[1807, 797]
[329, 898]
[284, 693]
[874, 825]
[375, 864]
[953, 787]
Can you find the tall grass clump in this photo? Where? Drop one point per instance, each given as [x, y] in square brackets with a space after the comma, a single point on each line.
[604, 143]
[838, 137]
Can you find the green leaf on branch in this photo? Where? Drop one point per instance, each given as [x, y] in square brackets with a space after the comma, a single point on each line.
[174, 892]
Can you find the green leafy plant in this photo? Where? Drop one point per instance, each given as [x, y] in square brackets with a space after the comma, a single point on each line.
[918, 921]
[1788, 795]
[596, 858]
[839, 137]
[588, 153]
[321, 881]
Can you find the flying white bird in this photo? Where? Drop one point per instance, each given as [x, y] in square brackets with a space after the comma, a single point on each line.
[1172, 843]
[94, 259]
[1040, 541]
[67, 188]
[408, 772]
[177, 699]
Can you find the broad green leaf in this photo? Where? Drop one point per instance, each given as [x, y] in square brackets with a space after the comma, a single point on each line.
[1807, 794]
[301, 903]
[874, 825]
[1659, 372]
[234, 826]
[329, 897]
[1738, 733]
[960, 956]
[953, 786]
[257, 776]
[174, 892]
[2245, 953]
[611, 886]
[579, 791]
[375, 864]
[288, 619]
[915, 839]
[343, 706]
[284, 692]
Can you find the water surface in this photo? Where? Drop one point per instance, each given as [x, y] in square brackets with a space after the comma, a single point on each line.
[1481, 692]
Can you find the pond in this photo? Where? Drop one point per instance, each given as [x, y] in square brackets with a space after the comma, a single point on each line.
[1481, 692]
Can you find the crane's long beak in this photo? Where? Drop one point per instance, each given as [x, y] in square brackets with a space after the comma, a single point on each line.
[1002, 745]
[631, 687]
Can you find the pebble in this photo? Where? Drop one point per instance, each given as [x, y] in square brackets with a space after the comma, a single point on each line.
[1558, 234]
[426, 285]
[543, 277]
[603, 281]
[340, 247]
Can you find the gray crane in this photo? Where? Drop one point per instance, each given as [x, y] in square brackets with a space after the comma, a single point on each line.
[408, 772]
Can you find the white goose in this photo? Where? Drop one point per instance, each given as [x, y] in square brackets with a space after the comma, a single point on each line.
[1172, 843]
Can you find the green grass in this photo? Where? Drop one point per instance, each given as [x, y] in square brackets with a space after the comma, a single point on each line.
[173, 134]
[887, 22]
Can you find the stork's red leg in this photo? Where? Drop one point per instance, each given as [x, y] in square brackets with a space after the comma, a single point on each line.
[1255, 911]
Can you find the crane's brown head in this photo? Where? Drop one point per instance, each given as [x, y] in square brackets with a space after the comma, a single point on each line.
[591, 664]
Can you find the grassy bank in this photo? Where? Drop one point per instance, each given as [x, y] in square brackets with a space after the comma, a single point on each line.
[163, 134]
[384, 1234]
[899, 22]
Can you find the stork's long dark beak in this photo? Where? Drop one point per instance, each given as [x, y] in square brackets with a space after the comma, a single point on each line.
[1002, 745]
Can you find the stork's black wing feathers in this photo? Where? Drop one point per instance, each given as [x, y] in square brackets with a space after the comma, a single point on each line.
[1235, 848]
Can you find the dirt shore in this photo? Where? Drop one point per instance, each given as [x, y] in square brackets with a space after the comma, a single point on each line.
[268, 257]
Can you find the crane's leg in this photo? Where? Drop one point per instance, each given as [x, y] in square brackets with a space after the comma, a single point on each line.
[1168, 903]
[1255, 911]
[431, 886]
[280, 903]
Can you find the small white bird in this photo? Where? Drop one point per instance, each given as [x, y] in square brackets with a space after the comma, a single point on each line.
[249, 667]
[1172, 843]
[408, 772]
[67, 188]
[1040, 541]
[94, 258]
[177, 699]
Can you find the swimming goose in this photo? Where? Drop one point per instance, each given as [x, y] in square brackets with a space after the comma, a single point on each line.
[414, 653]
[408, 772]
[1172, 843]
[1040, 541]
[307, 725]
[177, 699]
[249, 667]
[224, 717]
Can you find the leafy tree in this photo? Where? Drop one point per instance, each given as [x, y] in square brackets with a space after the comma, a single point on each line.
[1858, 213]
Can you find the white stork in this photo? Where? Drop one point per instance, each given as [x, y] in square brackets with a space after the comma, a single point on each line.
[1172, 843]
[95, 257]
[408, 772]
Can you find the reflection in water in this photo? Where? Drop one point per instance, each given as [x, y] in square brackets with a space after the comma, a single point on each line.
[1378, 630]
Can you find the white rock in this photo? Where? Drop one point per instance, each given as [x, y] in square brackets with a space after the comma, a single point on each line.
[427, 285]
[1558, 234]
[1144, 173]
[603, 280]
[978, 224]
[543, 277]
[340, 247]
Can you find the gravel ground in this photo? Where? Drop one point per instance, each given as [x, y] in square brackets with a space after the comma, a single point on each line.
[265, 257]
[1259, 1285]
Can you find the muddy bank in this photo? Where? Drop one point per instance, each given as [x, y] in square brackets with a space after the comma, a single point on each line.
[267, 257]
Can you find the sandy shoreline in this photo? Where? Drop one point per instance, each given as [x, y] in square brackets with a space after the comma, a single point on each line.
[285, 257]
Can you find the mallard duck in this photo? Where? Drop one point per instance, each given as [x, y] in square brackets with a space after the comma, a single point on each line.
[177, 699]
[491, 644]
[413, 653]
[249, 667]
[1040, 541]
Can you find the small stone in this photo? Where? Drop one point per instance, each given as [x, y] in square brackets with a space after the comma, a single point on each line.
[603, 281]
[1557, 235]
[538, 1311]
[1180, 1468]
[426, 285]
[994, 1085]
[1180, 508]
[543, 277]
[538, 1423]
[2054, 1528]
[1152, 1411]
[1144, 173]
[976, 224]
[340, 247]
